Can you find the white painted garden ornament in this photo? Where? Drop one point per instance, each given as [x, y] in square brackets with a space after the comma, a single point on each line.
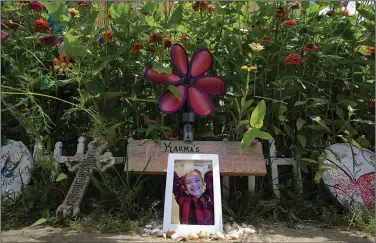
[352, 180]
[16, 163]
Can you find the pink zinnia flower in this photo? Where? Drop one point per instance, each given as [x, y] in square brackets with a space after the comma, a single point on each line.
[36, 6]
[3, 34]
[290, 22]
[293, 59]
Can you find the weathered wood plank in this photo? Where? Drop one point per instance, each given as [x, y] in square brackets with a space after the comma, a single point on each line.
[232, 160]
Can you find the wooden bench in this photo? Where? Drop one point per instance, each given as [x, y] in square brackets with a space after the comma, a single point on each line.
[232, 160]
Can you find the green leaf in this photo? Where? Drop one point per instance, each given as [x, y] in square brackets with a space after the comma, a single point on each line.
[275, 130]
[112, 95]
[176, 16]
[262, 135]
[366, 14]
[287, 130]
[248, 138]
[319, 121]
[281, 118]
[110, 133]
[61, 177]
[319, 173]
[339, 112]
[246, 105]
[282, 109]
[300, 123]
[310, 160]
[39, 222]
[57, 11]
[299, 103]
[318, 127]
[303, 140]
[305, 4]
[160, 68]
[175, 91]
[258, 114]
[73, 46]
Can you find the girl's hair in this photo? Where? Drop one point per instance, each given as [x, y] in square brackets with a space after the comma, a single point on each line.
[195, 171]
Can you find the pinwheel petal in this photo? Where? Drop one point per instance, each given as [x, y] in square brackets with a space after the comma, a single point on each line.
[212, 85]
[168, 103]
[199, 101]
[200, 63]
[161, 78]
[179, 59]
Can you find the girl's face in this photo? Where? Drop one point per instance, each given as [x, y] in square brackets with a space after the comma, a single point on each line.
[194, 184]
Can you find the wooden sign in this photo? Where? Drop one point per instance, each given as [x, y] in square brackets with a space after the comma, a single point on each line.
[232, 160]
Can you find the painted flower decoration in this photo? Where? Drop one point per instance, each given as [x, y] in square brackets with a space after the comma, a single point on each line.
[61, 65]
[257, 47]
[190, 80]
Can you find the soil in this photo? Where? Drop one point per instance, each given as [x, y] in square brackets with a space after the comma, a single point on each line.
[266, 233]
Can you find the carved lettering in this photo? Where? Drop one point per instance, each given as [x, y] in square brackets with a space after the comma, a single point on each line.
[167, 146]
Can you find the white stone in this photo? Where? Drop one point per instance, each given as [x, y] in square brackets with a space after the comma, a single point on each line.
[250, 226]
[249, 230]
[145, 235]
[175, 236]
[220, 235]
[233, 234]
[164, 235]
[240, 232]
[227, 228]
[148, 226]
[203, 234]
[191, 236]
[235, 226]
[154, 232]
[160, 233]
[244, 225]
[159, 226]
[147, 231]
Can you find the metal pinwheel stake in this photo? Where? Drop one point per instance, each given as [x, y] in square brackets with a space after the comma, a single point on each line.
[192, 83]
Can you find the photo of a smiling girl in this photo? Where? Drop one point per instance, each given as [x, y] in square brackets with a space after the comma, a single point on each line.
[194, 195]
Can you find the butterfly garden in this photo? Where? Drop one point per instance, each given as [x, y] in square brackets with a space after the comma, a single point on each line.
[297, 75]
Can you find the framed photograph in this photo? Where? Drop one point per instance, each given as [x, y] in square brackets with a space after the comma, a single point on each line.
[193, 194]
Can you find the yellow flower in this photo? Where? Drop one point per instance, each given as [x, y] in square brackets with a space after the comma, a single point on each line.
[249, 67]
[256, 46]
[74, 11]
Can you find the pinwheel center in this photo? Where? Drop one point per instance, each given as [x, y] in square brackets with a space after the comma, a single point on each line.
[186, 80]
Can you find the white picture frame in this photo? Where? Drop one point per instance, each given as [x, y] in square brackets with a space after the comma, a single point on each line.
[170, 199]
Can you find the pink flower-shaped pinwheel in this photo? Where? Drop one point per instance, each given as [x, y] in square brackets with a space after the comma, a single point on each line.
[190, 80]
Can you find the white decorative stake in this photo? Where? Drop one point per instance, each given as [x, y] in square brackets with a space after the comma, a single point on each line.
[74, 163]
[351, 177]
[16, 163]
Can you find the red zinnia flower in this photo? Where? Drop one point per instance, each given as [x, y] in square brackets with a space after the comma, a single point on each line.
[280, 12]
[330, 13]
[294, 59]
[155, 37]
[310, 47]
[48, 41]
[289, 22]
[266, 39]
[41, 25]
[136, 47]
[36, 6]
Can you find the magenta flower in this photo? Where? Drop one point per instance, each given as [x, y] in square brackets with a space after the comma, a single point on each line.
[36, 6]
[190, 80]
[3, 34]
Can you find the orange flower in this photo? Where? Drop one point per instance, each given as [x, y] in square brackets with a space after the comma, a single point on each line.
[266, 39]
[167, 42]
[74, 11]
[155, 37]
[107, 35]
[290, 23]
[55, 61]
[345, 12]
[41, 25]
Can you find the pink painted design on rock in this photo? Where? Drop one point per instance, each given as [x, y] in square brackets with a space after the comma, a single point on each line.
[363, 187]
